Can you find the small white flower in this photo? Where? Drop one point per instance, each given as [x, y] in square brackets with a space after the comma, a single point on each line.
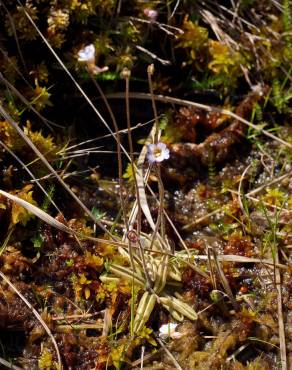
[258, 89]
[157, 152]
[87, 54]
[168, 331]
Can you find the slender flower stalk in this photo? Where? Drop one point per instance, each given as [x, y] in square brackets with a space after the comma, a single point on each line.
[150, 72]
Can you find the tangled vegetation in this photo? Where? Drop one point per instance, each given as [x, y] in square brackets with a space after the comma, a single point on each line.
[145, 189]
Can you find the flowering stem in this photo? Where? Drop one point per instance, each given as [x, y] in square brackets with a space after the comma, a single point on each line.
[160, 217]
[150, 71]
[126, 74]
[161, 201]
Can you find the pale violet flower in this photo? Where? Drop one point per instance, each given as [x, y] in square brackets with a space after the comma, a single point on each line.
[87, 54]
[157, 152]
[168, 331]
[151, 14]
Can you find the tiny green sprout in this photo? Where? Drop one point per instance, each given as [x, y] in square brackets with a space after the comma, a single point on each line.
[128, 174]
[216, 295]
[69, 262]
[97, 213]
[145, 333]
[164, 121]
[37, 240]
[274, 196]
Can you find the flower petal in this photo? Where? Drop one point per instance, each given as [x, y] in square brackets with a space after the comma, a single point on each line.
[151, 147]
[161, 146]
[87, 54]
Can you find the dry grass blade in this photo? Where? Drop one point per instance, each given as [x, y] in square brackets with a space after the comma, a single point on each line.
[31, 174]
[208, 108]
[51, 221]
[278, 179]
[141, 185]
[146, 359]
[199, 220]
[7, 117]
[107, 322]
[243, 259]
[37, 212]
[37, 315]
[6, 241]
[9, 365]
[223, 279]
[153, 56]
